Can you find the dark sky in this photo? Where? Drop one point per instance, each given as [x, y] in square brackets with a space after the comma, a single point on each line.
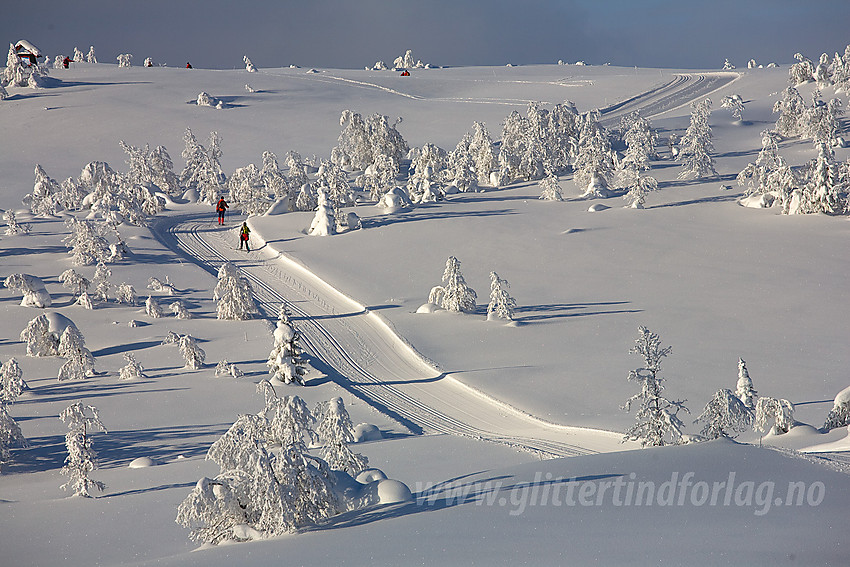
[357, 33]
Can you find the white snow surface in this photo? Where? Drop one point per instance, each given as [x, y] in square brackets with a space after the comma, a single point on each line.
[465, 407]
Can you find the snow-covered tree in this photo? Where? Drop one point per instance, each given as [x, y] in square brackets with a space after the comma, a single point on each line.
[43, 201]
[90, 56]
[248, 65]
[594, 159]
[791, 109]
[639, 186]
[734, 104]
[802, 71]
[380, 176]
[124, 59]
[657, 416]
[324, 223]
[234, 295]
[550, 188]
[74, 281]
[32, 288]
[285, 359]
[87, 242]
[248, 191]
[823, 71]
[203, 171]
[12, 225]
[724, 414]
[822, 120]
[822, 189]
[132, 370]
[454, 295]
[179, 310]
[79, 362]
[82, 459]
[102, 287]
[839, 415]
[126, 293]
[776, 411]
[151, 168]
[695, 146]
[38, 338]
[152, 307]
[727, 65]
[501, 305]
[744, 388]
[335, 432]
[12, 385]
[15, 74]
[192, 354]
[640, 140]
[332, 179]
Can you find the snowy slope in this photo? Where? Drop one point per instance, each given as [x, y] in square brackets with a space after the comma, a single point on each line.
[715, 280]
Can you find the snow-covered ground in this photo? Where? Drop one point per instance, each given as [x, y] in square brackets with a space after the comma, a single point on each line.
[716, 280]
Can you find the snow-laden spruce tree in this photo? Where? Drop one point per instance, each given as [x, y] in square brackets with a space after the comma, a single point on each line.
[822, 120]
[44, 199]
[791, 109]
[87, 242]
[32, 288]
[192, 354]
[769, 173]
[501, 305]
[12, 385]
[324, 223]
[802, 71]
[38, 338]
[695, 146]
[594, 159]
[638, 187]
[723, 415]
[379, 177]
[744, 388]
[179, 310]
[234, 295]
[285, 359]
[822, 189]
[772, 410]
[550, 188]
[74, 281]
[151, 167]
[152, 307]
[90, 56]
[79, 362]
[640, 140]
[734, 104]
[839, 415]
[248, 191]
[657, 416]
[454, 295]
[12, 225]
[273, 179]
[203, 172]
[124, 60]
[132, 370]
[248, 65]
[483, 153]
[82, 459]
[126, 293]
[332, 179]
[268, 484]
[335, 432]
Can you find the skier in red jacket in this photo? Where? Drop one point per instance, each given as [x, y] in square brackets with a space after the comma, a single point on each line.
[220, 208]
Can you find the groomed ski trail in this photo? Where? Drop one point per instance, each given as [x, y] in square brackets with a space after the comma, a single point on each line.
[362, 354]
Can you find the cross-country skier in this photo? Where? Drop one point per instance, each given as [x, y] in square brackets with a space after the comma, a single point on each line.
[243, 236]
[220, 208]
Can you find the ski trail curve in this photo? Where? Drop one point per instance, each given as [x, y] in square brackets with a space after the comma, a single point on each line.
[360, 352]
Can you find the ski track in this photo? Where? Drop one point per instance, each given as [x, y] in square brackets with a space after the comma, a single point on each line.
[361, 353]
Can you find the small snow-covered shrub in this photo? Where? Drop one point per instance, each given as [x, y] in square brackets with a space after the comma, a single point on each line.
[724, 414]
[32, 288]
[455, 295]
[132, 369]
[501, 305]
[82, 459]
[124, 60]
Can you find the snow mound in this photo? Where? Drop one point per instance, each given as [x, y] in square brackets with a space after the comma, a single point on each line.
[142, 463]
[57, 323]
[428, 308]
[393, 492]
[279, 207]
[596, 207]
[763, 201]
[370, 475]
[35, 294]
[394, 200]
[366, 432]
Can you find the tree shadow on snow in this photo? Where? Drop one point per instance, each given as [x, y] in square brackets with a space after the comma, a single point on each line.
[497, 491]
[547, 312]
[117, 349]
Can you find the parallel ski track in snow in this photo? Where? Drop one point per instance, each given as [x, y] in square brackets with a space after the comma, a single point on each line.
[366, 358]
[363, 354]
